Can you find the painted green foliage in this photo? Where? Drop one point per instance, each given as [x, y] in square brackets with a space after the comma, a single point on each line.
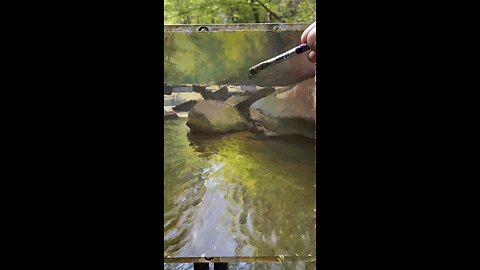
[220, 57]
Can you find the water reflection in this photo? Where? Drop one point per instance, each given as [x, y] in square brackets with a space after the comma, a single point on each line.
[236, 195]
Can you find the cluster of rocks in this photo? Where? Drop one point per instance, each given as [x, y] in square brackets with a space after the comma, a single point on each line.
[268, 111]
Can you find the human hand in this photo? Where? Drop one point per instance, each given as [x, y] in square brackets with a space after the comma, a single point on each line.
[309, 36]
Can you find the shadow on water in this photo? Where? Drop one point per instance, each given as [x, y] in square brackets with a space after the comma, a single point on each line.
[238, 194]
[281, 146]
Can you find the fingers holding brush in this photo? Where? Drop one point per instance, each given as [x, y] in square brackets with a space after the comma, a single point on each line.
[309, 36]
[307, 31]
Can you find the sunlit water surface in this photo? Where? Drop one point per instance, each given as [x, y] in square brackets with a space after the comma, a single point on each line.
[237, 195]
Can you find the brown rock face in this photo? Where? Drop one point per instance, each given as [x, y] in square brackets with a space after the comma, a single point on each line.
[243, 101]
[213, 117]
[290, 112]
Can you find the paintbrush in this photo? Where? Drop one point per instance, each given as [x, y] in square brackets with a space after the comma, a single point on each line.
[277, 59]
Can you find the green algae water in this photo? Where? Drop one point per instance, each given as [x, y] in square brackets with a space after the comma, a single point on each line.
[237, 195]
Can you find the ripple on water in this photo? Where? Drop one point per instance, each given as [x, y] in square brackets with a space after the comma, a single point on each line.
[235, 195]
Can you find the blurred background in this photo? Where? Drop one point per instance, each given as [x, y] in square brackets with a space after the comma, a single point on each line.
[238, 11]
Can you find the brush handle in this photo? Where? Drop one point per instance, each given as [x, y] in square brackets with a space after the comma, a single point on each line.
[302, 48]
[279, 58]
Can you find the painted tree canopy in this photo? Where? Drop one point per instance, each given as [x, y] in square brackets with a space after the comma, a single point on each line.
[238, 11]
[225, 57]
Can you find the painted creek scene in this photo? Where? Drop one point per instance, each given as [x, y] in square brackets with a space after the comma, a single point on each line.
[239, 152]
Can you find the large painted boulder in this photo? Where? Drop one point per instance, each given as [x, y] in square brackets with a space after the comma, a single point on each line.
[290, 111]
[214, 117]
[243, 101]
